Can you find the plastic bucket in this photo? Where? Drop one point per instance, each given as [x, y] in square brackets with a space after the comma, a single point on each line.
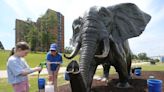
[41, 83]
[49, 88]
[137, 72]
[154, 85]
[66, 76]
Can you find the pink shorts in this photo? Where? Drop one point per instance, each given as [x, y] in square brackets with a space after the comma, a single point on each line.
[21, 87]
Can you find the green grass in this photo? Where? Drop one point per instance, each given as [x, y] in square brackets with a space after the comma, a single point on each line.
[99, 72]
[3, 59]
[33, 79]
[146, 67]
[33, 83]
[33, 59]
[5, 87]
[158, 67]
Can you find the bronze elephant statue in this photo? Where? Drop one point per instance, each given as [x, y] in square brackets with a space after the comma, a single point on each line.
[102, 35]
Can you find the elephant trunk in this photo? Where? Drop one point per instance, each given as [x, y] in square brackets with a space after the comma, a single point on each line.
[87, 59]
[75, 51]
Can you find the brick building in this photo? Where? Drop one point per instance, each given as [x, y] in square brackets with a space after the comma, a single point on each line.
[55, 26]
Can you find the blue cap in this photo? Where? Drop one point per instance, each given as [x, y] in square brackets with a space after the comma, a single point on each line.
[53, 46]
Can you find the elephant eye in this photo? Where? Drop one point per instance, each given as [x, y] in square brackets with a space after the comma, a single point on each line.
[76, 30]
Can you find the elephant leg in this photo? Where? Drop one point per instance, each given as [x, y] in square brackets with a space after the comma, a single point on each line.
[123, 75]
[129, 61]
[121, 66]
[128, 56]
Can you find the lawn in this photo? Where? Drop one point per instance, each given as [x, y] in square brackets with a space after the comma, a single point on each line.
[33, 79]
[157, 67]
[33, 83]
[33, 59]
[145, 67]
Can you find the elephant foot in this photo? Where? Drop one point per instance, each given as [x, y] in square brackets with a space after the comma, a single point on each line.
[123, 85]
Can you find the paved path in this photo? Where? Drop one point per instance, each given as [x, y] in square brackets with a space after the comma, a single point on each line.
[3, 73]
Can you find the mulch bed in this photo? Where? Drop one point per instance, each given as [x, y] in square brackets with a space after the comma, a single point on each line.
[138, 83]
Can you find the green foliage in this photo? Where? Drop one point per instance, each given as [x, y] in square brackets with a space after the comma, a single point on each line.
[143, 56]
[32, 37]
[1, 46]
[156, 60]
[49, 20]
[68, 50]
[140, 57]
[134, 56]
[44, 39]
[47, 23]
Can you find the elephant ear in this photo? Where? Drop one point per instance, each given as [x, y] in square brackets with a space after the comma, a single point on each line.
[128, 21]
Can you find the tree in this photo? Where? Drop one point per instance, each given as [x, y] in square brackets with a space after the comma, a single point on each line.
[47, 22]
[134, 56]
[1, 46]
[68, 50]
[32, 37]
[143, 56]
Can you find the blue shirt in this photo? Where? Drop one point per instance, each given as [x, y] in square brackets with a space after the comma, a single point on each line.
[15, 66]
[57, 58]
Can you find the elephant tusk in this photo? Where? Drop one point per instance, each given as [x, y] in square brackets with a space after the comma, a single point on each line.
[74, 53]
[106, 49]
[72, 72]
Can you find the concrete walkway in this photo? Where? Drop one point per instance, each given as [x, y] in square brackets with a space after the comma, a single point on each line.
[3, 73]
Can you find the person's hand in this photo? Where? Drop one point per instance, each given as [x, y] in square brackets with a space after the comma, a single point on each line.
[48, 63]
[37, 68]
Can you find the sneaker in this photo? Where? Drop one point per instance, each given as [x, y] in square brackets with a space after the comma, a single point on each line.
[99, 78]
[104, 79]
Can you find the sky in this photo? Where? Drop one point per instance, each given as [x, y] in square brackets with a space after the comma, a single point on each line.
[151, 41]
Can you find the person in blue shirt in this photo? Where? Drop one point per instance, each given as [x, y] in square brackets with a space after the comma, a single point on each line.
[54, 60]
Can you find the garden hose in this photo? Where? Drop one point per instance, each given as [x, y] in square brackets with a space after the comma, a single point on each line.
[42, 65]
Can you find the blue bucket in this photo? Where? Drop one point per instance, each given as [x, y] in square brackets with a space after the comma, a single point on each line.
[41, 83]
[154, 85]
[137, 72]
[66, 76]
